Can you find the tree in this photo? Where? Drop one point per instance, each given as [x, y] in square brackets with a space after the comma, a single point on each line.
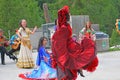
[12, 11]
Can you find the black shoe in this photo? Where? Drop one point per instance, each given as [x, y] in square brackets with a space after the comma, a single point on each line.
[15, 59]
[81, 73]
[3, 63]
[10, 56]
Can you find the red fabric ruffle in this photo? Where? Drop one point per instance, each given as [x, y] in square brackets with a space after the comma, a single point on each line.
[25, 78]
[53, 62]
[92, 66]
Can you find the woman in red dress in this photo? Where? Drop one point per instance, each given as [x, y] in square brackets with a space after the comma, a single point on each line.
[71, 56]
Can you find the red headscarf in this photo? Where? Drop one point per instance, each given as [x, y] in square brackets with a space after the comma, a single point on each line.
[62, 18]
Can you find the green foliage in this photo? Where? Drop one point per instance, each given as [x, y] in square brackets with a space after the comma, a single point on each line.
[115, 38]
[114, 49]
[12, 11]
[40, 2]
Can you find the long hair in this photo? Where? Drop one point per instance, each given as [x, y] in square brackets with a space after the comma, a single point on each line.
[40, 42]
[87, 28]
[21, 24]
[55, 21]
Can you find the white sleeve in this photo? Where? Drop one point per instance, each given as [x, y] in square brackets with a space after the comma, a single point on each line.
[93, 37]
[20, 30]
[81, 35]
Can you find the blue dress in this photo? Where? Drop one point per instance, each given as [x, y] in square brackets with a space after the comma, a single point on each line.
[44, 71]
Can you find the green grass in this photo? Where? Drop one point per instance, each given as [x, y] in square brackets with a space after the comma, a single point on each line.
[114, 49]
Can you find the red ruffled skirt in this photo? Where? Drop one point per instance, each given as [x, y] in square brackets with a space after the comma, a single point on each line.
[74, 56]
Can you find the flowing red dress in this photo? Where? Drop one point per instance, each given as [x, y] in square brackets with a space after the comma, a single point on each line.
[70, 55]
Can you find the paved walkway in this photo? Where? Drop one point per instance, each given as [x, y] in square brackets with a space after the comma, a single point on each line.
[109, 68]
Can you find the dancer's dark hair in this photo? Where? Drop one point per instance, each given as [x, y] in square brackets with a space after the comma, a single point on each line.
[21, 24]
[41, 42]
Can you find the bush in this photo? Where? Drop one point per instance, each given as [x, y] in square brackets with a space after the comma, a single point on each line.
[115, 38]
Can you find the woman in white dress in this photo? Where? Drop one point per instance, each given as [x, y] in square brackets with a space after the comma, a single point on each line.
[25, 59]
[88, 32]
